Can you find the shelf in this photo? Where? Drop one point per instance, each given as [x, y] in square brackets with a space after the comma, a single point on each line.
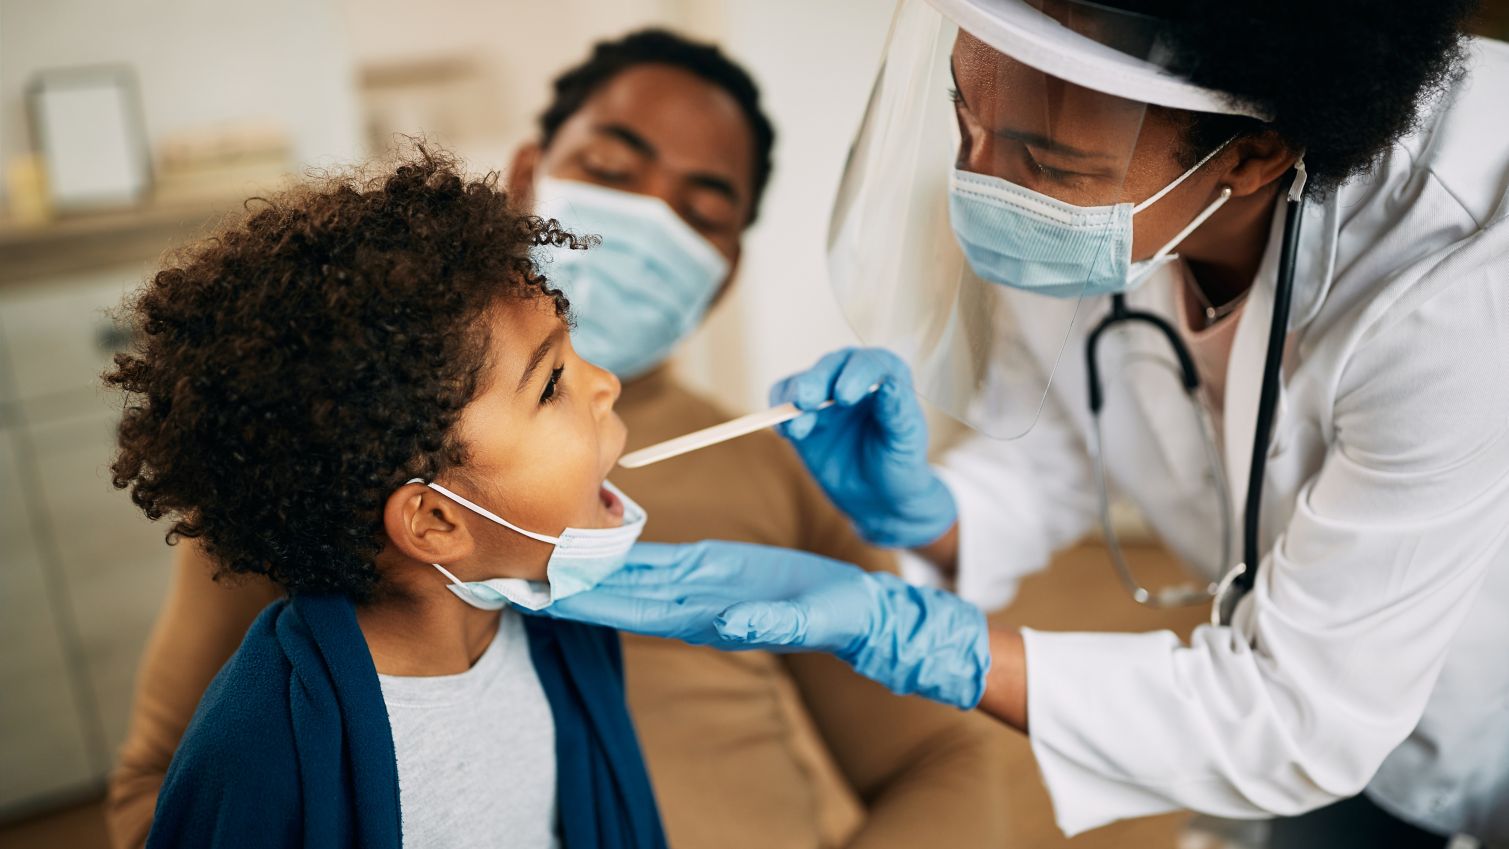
[84, 241]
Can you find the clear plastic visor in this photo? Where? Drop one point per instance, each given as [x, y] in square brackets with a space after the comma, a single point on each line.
[985, 199]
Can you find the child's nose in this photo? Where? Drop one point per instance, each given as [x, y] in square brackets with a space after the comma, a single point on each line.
[607, 387]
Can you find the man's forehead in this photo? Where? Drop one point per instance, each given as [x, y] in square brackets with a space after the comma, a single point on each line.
[691, 124]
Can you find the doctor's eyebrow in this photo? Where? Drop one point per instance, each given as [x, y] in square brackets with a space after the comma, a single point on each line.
[1023, 136]
[536, 358]
[1048, 144]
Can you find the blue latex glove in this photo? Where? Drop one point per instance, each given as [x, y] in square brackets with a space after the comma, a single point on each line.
[869, 450]
[739, 596]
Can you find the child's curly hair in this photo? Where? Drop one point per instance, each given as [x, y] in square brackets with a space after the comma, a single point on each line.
[300, 364]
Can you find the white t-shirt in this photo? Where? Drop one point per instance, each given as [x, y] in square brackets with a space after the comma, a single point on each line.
[476, 751]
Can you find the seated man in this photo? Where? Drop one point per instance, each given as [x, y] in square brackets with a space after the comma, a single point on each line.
[343, 394]
[660, 145]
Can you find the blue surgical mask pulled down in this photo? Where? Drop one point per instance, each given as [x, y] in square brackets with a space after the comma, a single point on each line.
[1026, 240]
[582, 558]
[643, 289]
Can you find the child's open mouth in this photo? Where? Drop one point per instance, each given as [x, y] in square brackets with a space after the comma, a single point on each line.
[611, 503]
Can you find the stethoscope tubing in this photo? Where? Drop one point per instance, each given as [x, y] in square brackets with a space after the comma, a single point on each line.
[1273, 370]
[1242, 577]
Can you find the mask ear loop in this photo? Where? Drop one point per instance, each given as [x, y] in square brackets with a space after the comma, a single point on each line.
[1206, 213]
[446, 572]
[486, 513]
[1157, 196]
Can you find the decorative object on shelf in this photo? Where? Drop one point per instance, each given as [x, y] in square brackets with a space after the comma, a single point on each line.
[26, 190]
[87, 125]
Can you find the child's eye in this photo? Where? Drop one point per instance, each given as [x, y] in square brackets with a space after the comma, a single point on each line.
[551, 386]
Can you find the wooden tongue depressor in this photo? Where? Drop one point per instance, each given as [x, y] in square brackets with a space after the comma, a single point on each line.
[709, 436]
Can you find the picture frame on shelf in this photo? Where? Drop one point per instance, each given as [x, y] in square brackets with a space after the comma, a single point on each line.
[87, 126]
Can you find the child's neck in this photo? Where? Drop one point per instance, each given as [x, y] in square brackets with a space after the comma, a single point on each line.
[417, 627]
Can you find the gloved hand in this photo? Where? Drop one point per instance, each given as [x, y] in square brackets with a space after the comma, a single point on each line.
[869, 450]
[740, 596]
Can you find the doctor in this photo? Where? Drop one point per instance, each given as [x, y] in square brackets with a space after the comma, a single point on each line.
[1246, 264]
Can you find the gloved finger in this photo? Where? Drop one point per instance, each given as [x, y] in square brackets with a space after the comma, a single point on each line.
[782, 390]
[866, 368]
[656, 554]
[656, 617]
[896, 405]
[800, 427]
[674, 584]
[663, 582]
[659, 570]
[815, 385]
[755, 623]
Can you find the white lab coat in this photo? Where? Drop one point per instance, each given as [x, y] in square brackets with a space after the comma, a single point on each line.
[1374, 650]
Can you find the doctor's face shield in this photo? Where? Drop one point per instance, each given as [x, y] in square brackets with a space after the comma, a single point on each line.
[1004, 155]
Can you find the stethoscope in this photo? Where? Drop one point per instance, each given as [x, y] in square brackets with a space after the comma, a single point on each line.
[1239, 579]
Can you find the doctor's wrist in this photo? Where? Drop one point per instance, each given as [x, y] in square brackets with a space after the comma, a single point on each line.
[1006, 684]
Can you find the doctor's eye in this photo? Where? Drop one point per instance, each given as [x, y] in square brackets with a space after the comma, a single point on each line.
[553, 389]
[1049, 172]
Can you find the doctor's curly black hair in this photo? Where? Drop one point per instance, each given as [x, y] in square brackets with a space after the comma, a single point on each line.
[300, 364]
[1343, 79]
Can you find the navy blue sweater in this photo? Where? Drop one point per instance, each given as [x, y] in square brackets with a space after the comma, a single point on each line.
[291, 745]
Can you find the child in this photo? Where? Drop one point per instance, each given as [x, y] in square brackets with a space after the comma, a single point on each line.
[365, 391]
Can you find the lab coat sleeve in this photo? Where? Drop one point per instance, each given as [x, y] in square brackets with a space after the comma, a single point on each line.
[1019, 501]
[1331, 658]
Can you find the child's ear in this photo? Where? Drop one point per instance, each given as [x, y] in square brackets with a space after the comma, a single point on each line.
[521, 174]
[426, 526]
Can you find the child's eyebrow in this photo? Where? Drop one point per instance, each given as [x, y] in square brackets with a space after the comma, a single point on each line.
[535, 359]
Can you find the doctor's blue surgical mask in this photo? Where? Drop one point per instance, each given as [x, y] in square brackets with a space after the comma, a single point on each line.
[582, 558]
[1024, 239]
[643, 289]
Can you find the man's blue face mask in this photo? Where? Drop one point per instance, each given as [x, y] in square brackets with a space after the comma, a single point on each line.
[643, 289]
[1024, 239]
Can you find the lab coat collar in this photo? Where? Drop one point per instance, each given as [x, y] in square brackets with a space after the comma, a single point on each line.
[1314, 269]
